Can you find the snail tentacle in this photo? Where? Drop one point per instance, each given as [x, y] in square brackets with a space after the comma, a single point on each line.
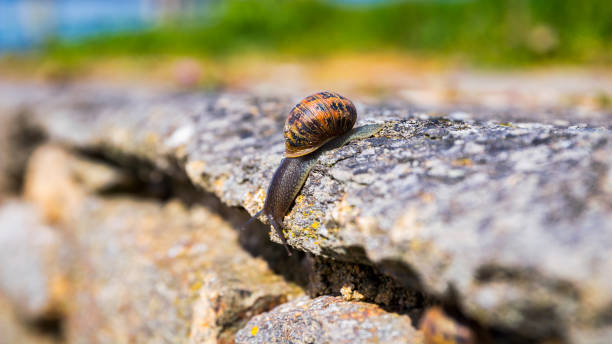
[246, 224]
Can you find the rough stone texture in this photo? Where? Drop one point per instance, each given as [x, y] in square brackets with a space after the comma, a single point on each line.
[359, 282]
[231, 296]
[33, 269]
[13, 330]
[57, 182]
[439, 328]
[146, 264]
[328, 319]
[515, 216]
[146, 271]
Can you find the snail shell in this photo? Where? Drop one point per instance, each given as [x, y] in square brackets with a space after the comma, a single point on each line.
[324, 117]
[316, 120]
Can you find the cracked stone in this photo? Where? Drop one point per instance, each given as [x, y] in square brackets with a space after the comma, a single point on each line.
[491, 206]
[328, 319]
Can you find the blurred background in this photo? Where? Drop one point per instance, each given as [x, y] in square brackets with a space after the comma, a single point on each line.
[540, 52]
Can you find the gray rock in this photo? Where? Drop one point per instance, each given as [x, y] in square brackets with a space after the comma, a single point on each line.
[515, 216]
[143, 270]
[328, 319]
[159, 273]
[33, 268]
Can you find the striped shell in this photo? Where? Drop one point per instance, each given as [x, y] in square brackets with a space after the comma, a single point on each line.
[316, 120]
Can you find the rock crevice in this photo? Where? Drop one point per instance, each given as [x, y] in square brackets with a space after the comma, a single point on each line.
[514, 217]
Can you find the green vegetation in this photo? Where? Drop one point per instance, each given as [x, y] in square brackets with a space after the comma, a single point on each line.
[502, 32]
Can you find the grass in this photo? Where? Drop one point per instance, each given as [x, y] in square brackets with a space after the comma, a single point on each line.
[504, 32]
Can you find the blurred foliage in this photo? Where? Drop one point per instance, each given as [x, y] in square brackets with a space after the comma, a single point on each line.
[502, 32]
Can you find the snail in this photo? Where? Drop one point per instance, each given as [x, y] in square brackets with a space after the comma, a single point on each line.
[318, 123]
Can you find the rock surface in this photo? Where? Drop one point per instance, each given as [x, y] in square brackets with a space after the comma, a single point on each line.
[328, 319]
[34, 266]
[144, 271]
[13, 330]
[516, 217]
[163, 274]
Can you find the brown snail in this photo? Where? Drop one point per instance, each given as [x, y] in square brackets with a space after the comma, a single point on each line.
[318, 123]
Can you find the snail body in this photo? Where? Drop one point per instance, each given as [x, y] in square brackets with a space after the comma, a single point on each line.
[320, 122]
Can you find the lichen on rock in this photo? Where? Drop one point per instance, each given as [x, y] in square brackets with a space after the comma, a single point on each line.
[513, 216]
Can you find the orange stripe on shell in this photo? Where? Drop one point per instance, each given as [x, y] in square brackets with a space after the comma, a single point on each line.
[316, 120]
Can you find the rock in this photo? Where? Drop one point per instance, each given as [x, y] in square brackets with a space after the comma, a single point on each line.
[439, 328]
[58, 182]
[358, 282]
[34, 263]
[147, 271]
[233, 292]
[13, 330]
[515, 217]
[17, 140]
[328, 319]
[163, 273]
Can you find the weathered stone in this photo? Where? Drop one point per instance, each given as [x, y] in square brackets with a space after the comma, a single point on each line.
[439, 328]
[358, 282]
[13, 329]
[328, 319]
[17, 140]
[58, 182]
[146, 264]
[232, 295]
[141, 265]
[33, 269]
[515, 216]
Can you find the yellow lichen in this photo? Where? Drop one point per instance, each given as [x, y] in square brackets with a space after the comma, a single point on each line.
[152, 139]
[463, 162]
[254, 331]
[196, 286]
[219, 183]
[348, 294]
[357, 296]
[316, 225]
[195, 170]
[426, 197]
